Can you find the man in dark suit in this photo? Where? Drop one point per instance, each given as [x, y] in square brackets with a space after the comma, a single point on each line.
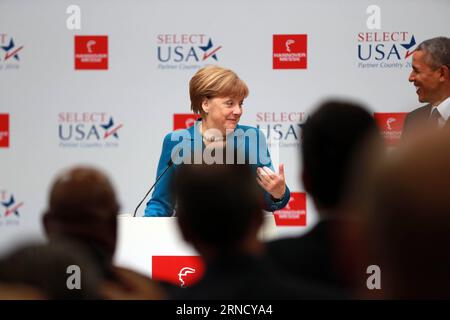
[431, 77]
[333, 137]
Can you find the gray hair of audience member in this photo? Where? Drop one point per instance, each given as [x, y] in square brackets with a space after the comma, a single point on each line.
[438, 51]
[48, 268]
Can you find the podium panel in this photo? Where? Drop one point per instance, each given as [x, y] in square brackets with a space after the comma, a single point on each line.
[139, 239]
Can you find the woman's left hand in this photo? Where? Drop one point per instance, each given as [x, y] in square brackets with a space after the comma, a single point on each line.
[273, 183]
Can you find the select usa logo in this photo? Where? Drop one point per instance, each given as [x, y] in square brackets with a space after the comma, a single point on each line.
[294, 214]
[290, 51]
[186, 51]
[91, 52]
[184, 120]
[10, 209]
[88, 130]
[182, 271]
[282, 128]
[4, 130]
[391, 126]
[385, 50]
[10, 52]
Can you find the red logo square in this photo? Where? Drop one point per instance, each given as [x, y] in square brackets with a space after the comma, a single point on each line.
[184, 120]
[290, 51]
[294, 214]
[391, 126]
[91, 52]
[4, 130]
[182, 271]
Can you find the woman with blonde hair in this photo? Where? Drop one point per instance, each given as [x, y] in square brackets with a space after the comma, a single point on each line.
[217, 94]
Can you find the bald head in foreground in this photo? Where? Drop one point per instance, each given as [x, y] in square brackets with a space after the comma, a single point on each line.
[83, 205]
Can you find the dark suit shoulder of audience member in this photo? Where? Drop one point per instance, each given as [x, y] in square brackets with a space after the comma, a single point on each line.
[310, 256]
[250, 277]
[48, 268]
[223, 227]
[333, 138]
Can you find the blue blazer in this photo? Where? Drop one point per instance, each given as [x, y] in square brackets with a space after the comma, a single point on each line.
[190, 142]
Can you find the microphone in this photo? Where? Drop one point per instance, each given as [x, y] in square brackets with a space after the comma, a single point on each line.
[169, 164]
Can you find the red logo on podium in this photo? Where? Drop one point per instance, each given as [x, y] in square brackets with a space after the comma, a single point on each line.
[184, 120]
[391, 126]
[290, 51]
[4, 130]
[294, 214]
[91, 52]
[182, 271]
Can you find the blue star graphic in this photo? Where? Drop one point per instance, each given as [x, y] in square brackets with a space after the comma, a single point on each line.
[206, 48]
[9, 47]
[10, 203]
[109, 125]
[410, 44]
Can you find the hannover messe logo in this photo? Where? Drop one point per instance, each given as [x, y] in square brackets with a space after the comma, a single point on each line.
[4, 130]
[290, 51]
[294, 214]
[391, 126]
[182, 271]
[184, 120]
[91, 52]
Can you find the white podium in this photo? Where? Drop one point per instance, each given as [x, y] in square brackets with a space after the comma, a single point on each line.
[141, 238]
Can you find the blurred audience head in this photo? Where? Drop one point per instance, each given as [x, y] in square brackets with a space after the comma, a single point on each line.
[409, 219]
[83, 206]
[48, 271]
[218, 208]
[20, 292]
[333, 138]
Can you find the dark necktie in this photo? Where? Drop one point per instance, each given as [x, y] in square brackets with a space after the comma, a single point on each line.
[434, 118]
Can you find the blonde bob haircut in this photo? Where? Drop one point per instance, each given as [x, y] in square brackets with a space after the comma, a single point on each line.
[214, 81]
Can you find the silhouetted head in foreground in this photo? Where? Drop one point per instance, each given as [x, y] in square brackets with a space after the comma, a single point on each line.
[83, 206]
[60, 270]
[219, 208]
[410, 219]
[333, 137]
